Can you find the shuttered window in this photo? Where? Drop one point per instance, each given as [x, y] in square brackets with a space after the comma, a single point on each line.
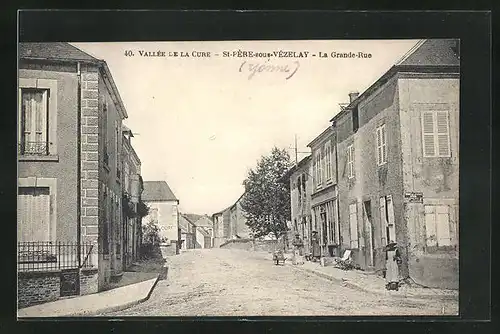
[328, 162]
[34, 122]
[437, 225]
[350, 161]
[436, 133]
[353, 220]
[381, 145]
[33, 214]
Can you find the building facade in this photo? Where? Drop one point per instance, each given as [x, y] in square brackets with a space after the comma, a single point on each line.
[218, 229]
[132, 191]
[324, 197]
[70, 118]
[188, 232]
[397, 149]
[300, 200]
[163, 211]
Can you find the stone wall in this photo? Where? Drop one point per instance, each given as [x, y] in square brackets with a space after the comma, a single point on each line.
[89, 155]
[251, 245]
[37, 287]
[88, 281]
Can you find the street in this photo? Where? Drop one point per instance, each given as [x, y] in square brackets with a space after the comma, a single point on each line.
[228, 282]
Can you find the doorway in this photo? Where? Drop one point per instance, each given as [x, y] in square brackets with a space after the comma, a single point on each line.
[368, 235]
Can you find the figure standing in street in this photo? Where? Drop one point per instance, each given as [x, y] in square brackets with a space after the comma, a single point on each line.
[298, 250]
[316, 254]
[393, 259]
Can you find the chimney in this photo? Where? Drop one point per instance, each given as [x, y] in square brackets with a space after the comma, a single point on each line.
[353, 96]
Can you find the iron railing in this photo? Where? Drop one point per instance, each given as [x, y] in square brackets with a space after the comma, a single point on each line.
[33, 148]
[51, 256]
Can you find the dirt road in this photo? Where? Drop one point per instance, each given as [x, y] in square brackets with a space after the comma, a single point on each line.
[224, 282]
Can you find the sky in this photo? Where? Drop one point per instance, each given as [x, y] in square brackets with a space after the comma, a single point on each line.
[201, 123]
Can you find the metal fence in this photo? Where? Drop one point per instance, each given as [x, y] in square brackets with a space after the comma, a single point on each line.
[53, 255]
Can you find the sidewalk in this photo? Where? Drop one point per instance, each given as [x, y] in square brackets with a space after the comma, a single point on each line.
[132, 289]
[368, 282]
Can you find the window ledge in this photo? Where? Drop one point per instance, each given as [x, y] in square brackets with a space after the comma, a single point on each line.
[39, 157]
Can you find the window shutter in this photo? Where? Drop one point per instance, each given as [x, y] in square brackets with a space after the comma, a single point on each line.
[383, 219]
[428, 133]
[40, 107]
[24, 217]
[379, 147]
[430, 225]
[443, 225]
[390, 218]
[353, 225]
[384, 144]
[443, 137]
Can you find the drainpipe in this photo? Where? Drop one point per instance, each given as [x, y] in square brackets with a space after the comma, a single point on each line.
[79, 164]
[334, 125]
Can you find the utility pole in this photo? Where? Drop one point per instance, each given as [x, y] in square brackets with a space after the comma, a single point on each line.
[296, 152]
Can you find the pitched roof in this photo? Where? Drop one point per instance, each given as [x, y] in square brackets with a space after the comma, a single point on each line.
[426, 55]
[204, 221]
[157, 191]
[192, 217]
[432, 52]
[203, 231]
[55, 50]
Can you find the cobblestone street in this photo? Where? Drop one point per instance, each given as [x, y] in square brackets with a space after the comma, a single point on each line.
[223, 282]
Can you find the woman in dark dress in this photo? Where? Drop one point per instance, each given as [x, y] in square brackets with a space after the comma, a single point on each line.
[315, 246]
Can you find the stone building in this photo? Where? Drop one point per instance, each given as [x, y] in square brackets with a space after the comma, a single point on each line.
[164, 211]
[301, 188]
[324, 197]
[398, 153]
[132, 191]
[70, 121]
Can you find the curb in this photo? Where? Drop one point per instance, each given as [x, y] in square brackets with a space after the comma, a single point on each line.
[118, 307]
[362, 289]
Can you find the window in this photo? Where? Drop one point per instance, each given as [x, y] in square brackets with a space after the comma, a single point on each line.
[320, 164]
[355, 119]
[105, 224]
[154, 215]
[328, 162]
[350, 161]
[353, 220]
[387, 219]
[334, 161]
[299, 189]
[117, 150]
[34, 138]
[104, 131]
[437, 225]
[317, 169]
[435, 133]
[332, 218]
[381, 145]
[33, 214]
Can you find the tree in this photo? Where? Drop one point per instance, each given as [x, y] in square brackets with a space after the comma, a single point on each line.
[266, 202]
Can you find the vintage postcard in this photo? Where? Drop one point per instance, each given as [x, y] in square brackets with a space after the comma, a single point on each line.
[238, 178]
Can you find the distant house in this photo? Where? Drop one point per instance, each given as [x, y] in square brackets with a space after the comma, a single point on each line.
[205, 225]
[188, 232]
[164, 211]
[203, 238]
[200, 230]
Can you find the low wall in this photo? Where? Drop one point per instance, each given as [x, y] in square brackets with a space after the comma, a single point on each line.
[436, 271]
[88, 281]
[168, 249]
[251, 245]
[37, 287]
[45, 286]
